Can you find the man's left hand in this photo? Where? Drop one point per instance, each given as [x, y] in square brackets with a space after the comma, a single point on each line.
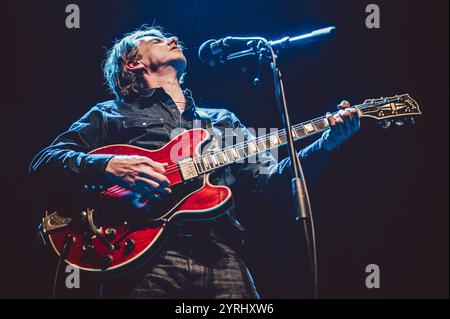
[343, 124]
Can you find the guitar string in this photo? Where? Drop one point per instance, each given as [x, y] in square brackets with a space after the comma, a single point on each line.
[318, 125]
[264, 138]
[317, 122]
[176, 167]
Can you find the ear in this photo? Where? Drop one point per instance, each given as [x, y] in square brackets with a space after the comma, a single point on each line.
[134, 65]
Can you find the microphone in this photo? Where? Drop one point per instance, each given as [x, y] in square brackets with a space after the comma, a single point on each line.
[213, 51]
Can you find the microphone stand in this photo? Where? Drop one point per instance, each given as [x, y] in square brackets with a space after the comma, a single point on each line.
[265, 51]
[302, 206]
[299, 190]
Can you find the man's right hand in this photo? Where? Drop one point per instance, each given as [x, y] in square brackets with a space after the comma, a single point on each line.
[139, 174]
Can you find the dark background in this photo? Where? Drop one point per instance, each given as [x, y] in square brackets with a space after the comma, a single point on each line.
[382, 198]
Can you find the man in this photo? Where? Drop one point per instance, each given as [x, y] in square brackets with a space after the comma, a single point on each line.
[143, 70]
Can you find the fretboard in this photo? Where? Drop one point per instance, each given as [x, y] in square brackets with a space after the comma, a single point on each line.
[241, 151]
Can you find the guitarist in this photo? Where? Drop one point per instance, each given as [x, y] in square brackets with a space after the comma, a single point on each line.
[144, 70]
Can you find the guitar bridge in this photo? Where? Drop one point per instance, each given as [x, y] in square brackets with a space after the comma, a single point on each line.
[54, 222]
[187, 169]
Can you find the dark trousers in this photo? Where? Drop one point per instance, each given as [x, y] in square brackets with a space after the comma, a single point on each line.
[193, 268]
[188, 267]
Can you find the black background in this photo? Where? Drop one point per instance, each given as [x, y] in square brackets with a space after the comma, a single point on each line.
[382, 198]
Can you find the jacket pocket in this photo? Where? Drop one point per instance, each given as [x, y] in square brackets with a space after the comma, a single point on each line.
[146, 131]
[143, 123]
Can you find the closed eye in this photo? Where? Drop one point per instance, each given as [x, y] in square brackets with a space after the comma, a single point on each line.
[157, 40]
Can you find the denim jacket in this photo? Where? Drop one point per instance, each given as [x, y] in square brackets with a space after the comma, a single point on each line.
[148, 123]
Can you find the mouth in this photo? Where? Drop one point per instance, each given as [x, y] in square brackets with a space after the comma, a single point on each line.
[175, 48]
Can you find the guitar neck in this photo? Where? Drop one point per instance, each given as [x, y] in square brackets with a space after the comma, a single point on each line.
[241, 151]
[386, 108]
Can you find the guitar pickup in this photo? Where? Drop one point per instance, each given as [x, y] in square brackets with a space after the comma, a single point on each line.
[54, 222]
[187, 169]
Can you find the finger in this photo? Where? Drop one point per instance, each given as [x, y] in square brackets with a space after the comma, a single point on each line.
[348, 122]
[356, 122]
[148, 172]
[339, 128]
[146, 183]
[330, 119]
[338, 119]
[343, 105]
[152, 186]
[157, 166]
[162, 190]
[356, 119]
[346, 115]
[354, 111]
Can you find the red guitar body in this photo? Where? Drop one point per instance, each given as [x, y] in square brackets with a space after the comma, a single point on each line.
[113, 246]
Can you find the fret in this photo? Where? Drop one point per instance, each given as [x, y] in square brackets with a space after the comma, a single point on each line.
[214, 160]
[199, 165]
[206, 162]
[241, 152]
[251, 148]
[274, 140]
[309, 128]
[261, 145]
[218, 158]
[224, 157]
[319, 124]
[300, 132]
[235, 153]
[229, 154]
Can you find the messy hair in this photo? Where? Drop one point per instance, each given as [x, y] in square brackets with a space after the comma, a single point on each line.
[125, 84]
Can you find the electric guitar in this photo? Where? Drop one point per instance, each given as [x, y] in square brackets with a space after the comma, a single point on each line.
[114, 239]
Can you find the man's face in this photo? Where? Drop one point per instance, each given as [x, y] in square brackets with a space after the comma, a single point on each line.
[157, 52]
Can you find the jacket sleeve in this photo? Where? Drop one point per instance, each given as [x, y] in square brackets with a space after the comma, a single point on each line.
[66, 163]
[265, 173]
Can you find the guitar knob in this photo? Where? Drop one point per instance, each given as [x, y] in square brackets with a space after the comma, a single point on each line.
[88, 248]
[106, 261]
[110, 233]
[129, 245]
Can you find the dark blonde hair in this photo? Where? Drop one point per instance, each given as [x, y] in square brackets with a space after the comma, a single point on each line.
[125, 84]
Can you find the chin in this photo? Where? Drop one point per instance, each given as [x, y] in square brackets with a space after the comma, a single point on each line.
[179, 65]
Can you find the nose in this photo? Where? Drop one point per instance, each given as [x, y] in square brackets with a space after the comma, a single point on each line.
[172, 40]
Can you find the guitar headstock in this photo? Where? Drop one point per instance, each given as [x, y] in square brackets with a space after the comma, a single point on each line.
[397, 109]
